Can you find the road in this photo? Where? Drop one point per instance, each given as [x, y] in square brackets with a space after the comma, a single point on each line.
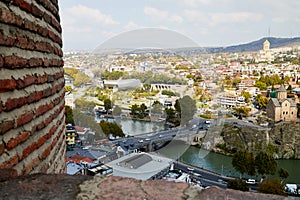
[207, 178]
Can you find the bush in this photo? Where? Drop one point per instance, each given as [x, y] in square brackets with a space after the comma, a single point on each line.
[238, 184]
[272, 186]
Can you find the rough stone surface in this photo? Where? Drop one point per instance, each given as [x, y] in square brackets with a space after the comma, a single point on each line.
[283, 137]
[62, 186]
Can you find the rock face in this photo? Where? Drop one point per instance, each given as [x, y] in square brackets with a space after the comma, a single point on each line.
[61, 186]
[283, 139]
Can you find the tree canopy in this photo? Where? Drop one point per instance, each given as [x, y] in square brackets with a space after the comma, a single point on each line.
[243, 161]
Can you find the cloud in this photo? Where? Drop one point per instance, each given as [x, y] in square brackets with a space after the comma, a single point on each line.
[212, 19]
[156, 13]
[236, 17]
[162, 15]
[131, 26]
[176, 19]
[80, 13]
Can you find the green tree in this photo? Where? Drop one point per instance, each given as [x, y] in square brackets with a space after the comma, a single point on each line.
[272, 186]
[69, 115]
[265, 164]
[261, 100]
[107, 104]
[188, 108]
[243, 161]
[242, 111]
[238, 184]
[261, 85]
[110, 128]
[283, 173]
[247, 96]
[81, 78]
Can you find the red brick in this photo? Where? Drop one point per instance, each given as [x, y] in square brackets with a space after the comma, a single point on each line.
[1, 149]
[28, 80]
[22, 4]
[35, 62]
[25, 118]
[11, 162]
[36, 11]
[14, 61]
[6, 126]
[46, 152]
[33, 163]
[42, 79]
[13, 142]
[7, 85]
[28, 150]
[41, 110]
[15, 103]
[1, 62]
[34, 97]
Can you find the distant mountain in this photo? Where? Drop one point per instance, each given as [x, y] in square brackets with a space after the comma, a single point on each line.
[257, 45]
[251, 46]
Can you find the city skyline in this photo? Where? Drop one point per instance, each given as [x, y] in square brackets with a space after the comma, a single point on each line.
[87, 24]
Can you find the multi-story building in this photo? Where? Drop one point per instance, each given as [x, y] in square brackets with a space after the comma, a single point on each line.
[229, 99]
[281, 107]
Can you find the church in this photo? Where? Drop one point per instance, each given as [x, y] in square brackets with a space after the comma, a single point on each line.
[281, 107]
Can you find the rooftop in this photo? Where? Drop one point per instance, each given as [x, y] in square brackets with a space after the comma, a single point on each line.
[139, 165]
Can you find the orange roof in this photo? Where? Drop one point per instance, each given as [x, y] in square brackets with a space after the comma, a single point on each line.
[78, 159]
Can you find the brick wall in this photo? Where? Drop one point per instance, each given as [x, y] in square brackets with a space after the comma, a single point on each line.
[31, 87]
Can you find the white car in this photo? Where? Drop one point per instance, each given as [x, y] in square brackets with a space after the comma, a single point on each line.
[250, 181]
[147, 139]
[191, 169]
[141, 141]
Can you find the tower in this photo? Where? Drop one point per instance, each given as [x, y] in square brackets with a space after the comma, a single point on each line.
[281, 93]
[266, 45]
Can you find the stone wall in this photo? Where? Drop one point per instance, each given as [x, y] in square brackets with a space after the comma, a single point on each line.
[31, 87]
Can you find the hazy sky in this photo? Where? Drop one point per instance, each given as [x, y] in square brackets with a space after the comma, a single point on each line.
[88, 23]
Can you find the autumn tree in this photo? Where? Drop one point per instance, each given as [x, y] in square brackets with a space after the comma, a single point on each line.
[272, 186]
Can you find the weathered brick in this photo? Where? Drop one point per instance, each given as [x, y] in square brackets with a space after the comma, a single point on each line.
[42, 79]
[6, 126]
[35, 62]
[34, 97]
[28, 150]
[45, 153]
[15, 103]
[28, 80]
[7, 85]
[1, 62]
[37, 12]
[11, 162]
[41, 110]
[14, 62]
[1, 148]
[33, 163]
[22, 4]
[13, 142]
[25, 118]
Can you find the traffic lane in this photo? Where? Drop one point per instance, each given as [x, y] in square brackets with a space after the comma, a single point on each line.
[204, 174]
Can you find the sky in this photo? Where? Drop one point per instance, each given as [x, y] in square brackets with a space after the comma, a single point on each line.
[209, 23]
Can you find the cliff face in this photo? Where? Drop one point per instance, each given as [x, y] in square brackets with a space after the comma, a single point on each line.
[283, 139]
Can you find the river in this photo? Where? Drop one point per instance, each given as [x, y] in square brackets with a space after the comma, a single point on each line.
[198, 157]
[219, 163]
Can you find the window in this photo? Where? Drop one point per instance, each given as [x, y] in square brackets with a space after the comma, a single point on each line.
[283, 112]
[292, 113]
[286, 104]
[287, 113]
